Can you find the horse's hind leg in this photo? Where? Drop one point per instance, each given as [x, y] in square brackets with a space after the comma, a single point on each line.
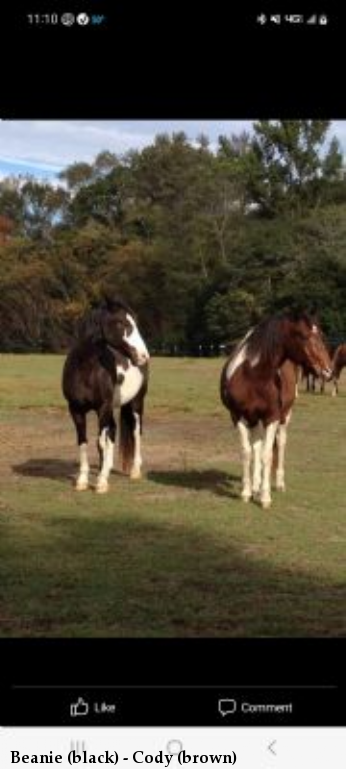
[79, 418]
[136, 469]
[107, 429]
[131, 416]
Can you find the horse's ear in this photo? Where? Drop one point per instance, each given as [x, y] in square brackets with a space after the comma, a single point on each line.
[112, 302]
[312, 312]
[106, 301]
[296, 311]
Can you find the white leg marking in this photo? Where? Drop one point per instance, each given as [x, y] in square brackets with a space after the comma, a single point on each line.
[107, 447]
[257, 446]
[267, 456]
[137, 459]
[82, 481]
[282, 440]
[244, 433]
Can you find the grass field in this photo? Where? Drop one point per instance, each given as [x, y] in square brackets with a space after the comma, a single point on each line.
[178, 553]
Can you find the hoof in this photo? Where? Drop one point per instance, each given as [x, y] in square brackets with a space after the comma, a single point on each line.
[81, 485]
[280, 487]
[246, 497]
[101, 486]
[266, 503]
[135, 475]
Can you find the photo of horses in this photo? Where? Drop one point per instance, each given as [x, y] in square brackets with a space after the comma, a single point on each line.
[172, 384]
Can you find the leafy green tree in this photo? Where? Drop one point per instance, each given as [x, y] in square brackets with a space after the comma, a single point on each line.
[290, 162]
[229, 316]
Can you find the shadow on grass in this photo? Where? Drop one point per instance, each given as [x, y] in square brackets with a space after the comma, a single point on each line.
[128, 577]
[47, 468]
[215, 481]
[54, 469]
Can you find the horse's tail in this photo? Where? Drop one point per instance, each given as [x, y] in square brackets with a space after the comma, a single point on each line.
[126, 439]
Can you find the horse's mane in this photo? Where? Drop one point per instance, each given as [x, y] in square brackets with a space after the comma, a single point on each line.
[266, 336]
[91, 325]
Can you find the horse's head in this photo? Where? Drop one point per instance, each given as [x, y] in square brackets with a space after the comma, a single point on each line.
[120, 330]
[307, 346]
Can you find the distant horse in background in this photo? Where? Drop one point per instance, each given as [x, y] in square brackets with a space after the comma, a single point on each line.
[108, 368]
[338, 363]
[258, 387]
[310, 377]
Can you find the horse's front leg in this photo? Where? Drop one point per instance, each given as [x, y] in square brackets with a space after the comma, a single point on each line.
[335, 389]
[257, 448]
[281, 438]
[267, 459]
[244, 434]
[106, 442]
[79, 418]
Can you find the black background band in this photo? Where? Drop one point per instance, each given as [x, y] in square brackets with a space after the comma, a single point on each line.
[174, 682]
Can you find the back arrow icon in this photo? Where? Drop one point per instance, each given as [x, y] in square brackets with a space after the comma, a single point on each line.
[271, 748]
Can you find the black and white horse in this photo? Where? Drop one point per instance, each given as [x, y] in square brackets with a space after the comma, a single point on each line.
[108, 369]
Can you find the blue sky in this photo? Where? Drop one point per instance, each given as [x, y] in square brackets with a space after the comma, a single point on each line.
[42, 148]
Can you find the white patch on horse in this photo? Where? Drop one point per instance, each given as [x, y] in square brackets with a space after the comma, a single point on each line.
[130, 385]
[102, 439]
[136, 340]
[107, 448]
[137, 459]
[244, 434]
[240, 356]
[83, 477]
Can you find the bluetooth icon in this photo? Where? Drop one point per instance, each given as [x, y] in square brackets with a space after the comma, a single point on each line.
[262, 18]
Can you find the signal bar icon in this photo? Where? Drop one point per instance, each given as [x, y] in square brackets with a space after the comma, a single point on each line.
[312, 19]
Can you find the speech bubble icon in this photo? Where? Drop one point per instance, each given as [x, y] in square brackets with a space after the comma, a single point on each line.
[227, 706]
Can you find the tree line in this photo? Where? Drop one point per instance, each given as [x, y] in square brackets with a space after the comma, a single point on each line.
[201, 240]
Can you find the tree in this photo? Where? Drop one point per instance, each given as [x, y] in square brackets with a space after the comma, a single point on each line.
[289, 163]
[229, 316]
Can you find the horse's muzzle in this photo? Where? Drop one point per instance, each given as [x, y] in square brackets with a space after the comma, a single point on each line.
[140, 358]
[143, 358]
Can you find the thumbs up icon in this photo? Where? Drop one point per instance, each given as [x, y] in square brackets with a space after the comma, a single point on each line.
[79, 708]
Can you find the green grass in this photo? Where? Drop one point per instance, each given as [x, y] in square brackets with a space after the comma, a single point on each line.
[178, 553]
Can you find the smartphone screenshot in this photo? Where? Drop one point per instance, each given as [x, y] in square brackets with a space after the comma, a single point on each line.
[172, 386]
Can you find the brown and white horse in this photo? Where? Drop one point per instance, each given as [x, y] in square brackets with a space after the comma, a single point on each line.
[339, 361]
[258, 387]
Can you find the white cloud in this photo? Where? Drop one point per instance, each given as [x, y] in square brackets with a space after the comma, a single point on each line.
[45, 147]
[50, 145]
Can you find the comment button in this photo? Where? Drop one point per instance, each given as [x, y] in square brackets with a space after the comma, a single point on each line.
[227, 707]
